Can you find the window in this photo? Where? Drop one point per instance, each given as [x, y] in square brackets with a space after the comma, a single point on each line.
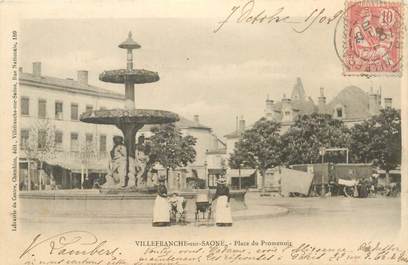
[58, 110]
[24, 135]
[58, 139]
[42, 138]
[88, 108]
[42, 108]
[287, 113]
[74, 142]
[25, 106]
[74, 111]
[89, 138]
[102, 108]
[102, 143]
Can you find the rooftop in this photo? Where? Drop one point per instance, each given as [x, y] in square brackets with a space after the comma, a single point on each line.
[183, 123]
[355, 101]
[66, 85]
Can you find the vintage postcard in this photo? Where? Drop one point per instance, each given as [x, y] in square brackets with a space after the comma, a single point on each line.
[203, 132]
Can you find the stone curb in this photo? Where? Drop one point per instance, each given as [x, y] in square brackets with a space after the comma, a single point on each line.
[241, 215]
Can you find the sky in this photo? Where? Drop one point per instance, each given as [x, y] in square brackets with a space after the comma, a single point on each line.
[217, 76]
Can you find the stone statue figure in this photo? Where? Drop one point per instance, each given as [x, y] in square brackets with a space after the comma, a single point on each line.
[116, 176]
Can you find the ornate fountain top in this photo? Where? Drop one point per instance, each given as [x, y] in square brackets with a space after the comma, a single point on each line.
[129, 43]
[130, 115]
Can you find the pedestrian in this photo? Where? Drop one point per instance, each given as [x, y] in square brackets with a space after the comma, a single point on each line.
[222, 210]
[161, 209]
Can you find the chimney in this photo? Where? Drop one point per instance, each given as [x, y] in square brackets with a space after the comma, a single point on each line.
[83, 77]
[373, 107]
[237, 124]
[241, 124]
[196, 118]
[268, 104]
[387, 103]
[37, 69]
[268, 107]
[285, 101]
[322, 98]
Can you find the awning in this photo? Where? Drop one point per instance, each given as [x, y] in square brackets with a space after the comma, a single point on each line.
[394, 171]
[216, 171]
[236, 173]
[99, 166]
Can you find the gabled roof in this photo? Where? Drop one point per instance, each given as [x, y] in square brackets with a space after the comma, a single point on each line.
[304, 106]
[69, 85]
[183, 123]
[355, 102]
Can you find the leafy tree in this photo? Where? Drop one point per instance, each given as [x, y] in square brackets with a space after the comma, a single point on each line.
[258, 147]
[378, 140]
[302, 142]
[361, 137]
[168, 147]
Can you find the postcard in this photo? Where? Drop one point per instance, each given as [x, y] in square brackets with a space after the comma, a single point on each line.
[204, 132]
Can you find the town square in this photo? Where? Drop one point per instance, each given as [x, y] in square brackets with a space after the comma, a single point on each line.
[117, 147]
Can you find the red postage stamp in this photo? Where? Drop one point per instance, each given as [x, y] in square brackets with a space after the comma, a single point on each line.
[373, 32]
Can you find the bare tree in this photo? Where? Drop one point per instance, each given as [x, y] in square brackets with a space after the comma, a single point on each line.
[40, 146]
[87, 154]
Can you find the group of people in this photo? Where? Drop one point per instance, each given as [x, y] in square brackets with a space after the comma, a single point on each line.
[165, 205]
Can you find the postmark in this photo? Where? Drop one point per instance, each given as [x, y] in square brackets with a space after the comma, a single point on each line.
[373, 38]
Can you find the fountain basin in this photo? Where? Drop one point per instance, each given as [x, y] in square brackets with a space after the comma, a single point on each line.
[120, 116]
[135, 76]
[79, 204]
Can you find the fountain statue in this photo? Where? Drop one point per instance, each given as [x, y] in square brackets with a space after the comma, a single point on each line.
[124, 164]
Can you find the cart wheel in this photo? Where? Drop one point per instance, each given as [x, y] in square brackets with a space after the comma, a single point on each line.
[348, 192]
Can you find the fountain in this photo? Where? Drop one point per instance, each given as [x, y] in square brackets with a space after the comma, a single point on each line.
[120, 193]
[129, 120]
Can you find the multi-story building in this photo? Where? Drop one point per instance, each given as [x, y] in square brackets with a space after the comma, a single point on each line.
[81, 149]
[48, 102]
[351, 105]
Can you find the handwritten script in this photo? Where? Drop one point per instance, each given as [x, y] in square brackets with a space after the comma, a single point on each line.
[249, 14]
[82, 247]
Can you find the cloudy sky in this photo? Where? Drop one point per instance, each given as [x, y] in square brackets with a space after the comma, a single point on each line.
[215, 75]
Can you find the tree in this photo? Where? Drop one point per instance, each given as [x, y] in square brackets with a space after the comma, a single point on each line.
[361, 137]
[309, 133]
[378, 140]
[258, 147]
[87, 153]
[40, 145]
[168, 147]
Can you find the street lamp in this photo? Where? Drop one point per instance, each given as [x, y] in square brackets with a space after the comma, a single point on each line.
[322, 151]
[239, 174]
[206, 174]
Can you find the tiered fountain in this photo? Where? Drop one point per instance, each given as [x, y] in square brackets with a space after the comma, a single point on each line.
[129, 120]
[117, 197]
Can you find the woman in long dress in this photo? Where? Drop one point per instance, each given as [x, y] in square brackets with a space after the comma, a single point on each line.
[222, 209]
[161, 209]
